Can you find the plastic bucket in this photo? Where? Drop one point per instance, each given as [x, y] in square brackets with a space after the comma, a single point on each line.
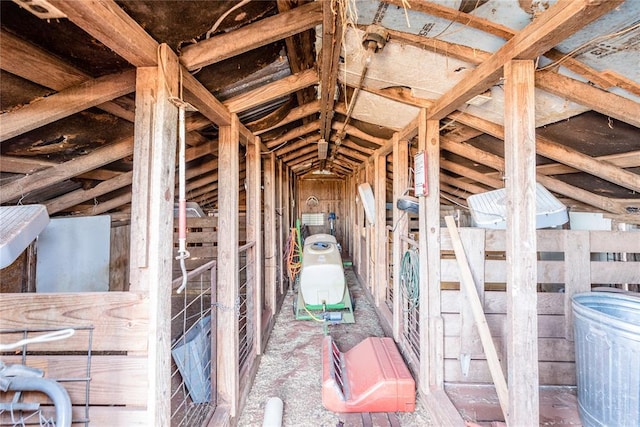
[607, 339]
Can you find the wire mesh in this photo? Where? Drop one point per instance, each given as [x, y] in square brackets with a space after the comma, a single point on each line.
[35, 408]
[193, 350]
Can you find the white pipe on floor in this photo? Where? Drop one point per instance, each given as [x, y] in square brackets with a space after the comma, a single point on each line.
[273, 412]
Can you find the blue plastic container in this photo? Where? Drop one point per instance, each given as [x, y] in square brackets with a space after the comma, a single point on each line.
[607, 339]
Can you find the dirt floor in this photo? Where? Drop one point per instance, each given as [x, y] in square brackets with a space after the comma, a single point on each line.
[291, 367]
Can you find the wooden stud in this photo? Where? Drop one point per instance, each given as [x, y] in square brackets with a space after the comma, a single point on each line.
[400, 226]
[270, 267]
[380, 229]
[577, 272]
[468, 287]
[65, 103]
[554, 25]
[152, 219]
[430, 297]
[228, 265]
[271, 91]
[520, 160]
[249, 37]
[254, 234]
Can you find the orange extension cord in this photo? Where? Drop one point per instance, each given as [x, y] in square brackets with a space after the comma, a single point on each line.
[294, 255]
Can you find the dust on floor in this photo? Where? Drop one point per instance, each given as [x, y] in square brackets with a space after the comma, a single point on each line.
[291, 366]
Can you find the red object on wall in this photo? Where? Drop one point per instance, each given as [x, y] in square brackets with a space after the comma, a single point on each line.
[371, 377]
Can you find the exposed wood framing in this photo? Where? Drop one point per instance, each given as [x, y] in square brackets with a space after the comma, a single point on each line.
[65, 103]
[547, 148]
[300, 49]
[228, 264]
[66, 170]
[270, 267]
[263, 32]
[306, 110]
[520, 159]
[331, 46]
[400, 226]
[295, 133]
[254, 234]
[152, 228]
[380, 228]
[554, 25]
[272, 91]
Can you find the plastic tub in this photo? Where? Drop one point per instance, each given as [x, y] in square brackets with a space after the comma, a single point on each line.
[607, 340]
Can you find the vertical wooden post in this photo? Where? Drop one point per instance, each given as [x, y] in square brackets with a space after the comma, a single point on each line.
[254, 234]
[270, 233]
[280, 224]
[152, 219]
[400, 225]
[380, 228]
[522, 320]
[228, 264]
[474, 249]
[430, 295]
[577, 272]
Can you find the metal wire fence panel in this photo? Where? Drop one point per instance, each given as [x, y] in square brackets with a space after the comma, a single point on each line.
[245, 304]
[39, 385]
[193, 349]
[409, 284]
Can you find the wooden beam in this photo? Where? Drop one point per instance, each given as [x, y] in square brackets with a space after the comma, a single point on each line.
[207, 104]
[75, 197]
[522, 314]
[400, 227]
[585, 94]
[554, 25]
[347, 143]
[254, 234]
[604, 102]
[463, 185]
[429, 142]
[300, 50]
[547, 148]
[228, 276]
[602, 79]
[249, 37]
[331, 46]
[107, 22]
[310, 148]
[270, 238]
[36, 65]
[294, 133]
[152, 219]
[271, 91]
[306, 110]
[380, 249]
[301, 143]
[66, 170]
[65, 103]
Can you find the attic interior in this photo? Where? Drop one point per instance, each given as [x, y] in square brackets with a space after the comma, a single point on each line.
[511, 129]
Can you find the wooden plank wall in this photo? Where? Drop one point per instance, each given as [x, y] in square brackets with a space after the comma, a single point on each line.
[556, 346]
[329, 193]
[202, 240]
[118, 386]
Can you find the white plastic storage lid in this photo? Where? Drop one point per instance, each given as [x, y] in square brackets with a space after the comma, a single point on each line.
[19, 225]
[489, 210]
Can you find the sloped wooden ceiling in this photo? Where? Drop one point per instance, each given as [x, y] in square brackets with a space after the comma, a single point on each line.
[67, 100]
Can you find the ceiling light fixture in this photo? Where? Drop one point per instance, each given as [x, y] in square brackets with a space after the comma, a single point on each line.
[40, 8]
[323, 146]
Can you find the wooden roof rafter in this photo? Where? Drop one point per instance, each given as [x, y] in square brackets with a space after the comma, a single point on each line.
[109, 24]
[557, 23]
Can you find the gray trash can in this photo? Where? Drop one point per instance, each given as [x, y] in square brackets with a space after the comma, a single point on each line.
[607, 339]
